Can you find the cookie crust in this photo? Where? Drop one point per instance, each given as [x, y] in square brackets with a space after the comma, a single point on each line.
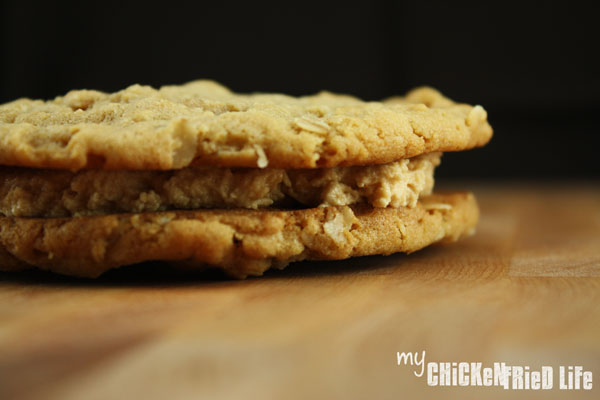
[241, 242]
[204, 123]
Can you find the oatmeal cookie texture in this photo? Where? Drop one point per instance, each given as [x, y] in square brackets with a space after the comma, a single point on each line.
[204, 123]
[27, 192]
[198, 176]
[242, 242]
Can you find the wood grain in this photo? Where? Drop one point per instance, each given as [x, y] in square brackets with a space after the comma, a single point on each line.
[524, 290]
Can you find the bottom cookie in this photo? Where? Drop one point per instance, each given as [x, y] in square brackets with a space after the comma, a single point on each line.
[241, 242]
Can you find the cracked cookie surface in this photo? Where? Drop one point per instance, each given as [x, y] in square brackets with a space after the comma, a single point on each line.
[204, 123]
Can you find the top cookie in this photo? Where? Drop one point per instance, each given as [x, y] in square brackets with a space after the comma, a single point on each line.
[203, 123]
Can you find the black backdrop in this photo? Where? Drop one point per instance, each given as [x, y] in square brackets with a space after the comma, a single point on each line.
[533, 66]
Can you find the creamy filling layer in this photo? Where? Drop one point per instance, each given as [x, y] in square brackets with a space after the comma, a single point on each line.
[26, 192]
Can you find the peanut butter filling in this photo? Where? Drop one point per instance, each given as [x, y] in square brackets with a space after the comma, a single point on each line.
[26, 192]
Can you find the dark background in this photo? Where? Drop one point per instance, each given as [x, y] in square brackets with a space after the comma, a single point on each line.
[533, 66]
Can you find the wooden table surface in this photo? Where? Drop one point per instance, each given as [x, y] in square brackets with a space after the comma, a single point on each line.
[524, 290]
